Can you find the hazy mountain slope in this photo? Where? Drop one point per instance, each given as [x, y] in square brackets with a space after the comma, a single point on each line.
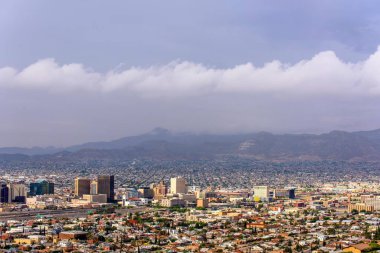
[162, 144]
[29, 151]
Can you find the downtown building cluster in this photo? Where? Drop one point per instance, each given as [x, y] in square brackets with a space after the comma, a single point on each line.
[97, 213]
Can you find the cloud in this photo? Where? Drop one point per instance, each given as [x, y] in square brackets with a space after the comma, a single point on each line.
[47, 103]
[323, 74]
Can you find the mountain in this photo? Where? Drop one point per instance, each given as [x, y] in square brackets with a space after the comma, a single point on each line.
[30, 151]
[163, 144]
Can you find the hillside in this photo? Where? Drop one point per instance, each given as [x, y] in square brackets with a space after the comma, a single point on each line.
[162, 144]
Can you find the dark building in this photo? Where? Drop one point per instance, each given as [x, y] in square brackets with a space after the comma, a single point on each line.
[4, 193]
[77, 235]
[292, 193]
[106, 185]
[146, 192]
[82, 186]
[41, 187]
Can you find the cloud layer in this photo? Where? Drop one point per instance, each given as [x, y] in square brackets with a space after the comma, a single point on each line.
[324, 74]
[51, 104]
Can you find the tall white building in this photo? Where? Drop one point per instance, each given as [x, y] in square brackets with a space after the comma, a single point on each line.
[178, 185]
[261, 192]
[94, 187]
[17, 192]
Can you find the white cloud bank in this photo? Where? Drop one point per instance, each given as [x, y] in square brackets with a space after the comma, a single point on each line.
[51, 104]
[324, 74]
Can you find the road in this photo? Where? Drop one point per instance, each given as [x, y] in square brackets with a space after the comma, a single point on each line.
[69, 213]
[33, 214]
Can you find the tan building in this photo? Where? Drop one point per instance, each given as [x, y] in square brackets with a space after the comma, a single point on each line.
[178, 185]
[360, 207]
[32, 239]
[82, 186]
[203, 203]
[173, 202]
[97, 198]
[160, 190]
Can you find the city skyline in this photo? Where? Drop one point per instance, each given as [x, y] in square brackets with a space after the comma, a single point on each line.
[214, 126]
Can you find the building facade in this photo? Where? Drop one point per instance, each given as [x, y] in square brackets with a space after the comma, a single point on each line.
[106, 185]
[82, 186]
[178, 185]
[41, 187]
[17, 192]
[4, 193]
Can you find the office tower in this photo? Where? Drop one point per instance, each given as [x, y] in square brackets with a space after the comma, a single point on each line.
[261, 192]
[94, 187]
[41, 187]
[17, 192]
[160, 190]
[145, 192]
[178, 185]
[106, 185]
[82, 186]
[4, 193]
[292, 193]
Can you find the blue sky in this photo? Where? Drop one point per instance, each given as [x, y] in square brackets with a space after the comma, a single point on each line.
[203, 66]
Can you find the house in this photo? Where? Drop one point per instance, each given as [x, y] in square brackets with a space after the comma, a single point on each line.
[357, 248]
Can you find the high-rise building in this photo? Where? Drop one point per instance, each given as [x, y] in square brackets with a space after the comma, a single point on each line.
[178, 185]
[261, 192]
[160, 190]
[82, 186]
[106, 185]
[41, 187]
[4, 193]
[17, 192]
[292, 193]
[145, 192]
[94, 187]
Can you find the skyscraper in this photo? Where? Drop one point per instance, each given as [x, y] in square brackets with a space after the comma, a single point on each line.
[261, 192]
[106, 185]
[82, 186]
[4, 193]
[17, 192]
[41, 187]
[160, 190]
[94, 187]
[178, 185]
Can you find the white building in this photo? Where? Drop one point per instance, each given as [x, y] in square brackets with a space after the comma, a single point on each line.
[261, 192]
[17, 192]
[178, 185]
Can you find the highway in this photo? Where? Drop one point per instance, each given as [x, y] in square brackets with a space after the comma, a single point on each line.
[33, 214]
[69, 213]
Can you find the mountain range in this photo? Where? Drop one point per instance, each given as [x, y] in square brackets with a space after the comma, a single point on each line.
[163, 144]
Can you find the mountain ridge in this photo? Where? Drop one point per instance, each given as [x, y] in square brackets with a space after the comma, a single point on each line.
[163, 144]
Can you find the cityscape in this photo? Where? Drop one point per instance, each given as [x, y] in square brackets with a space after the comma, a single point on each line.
[207, 206]
[190, 126]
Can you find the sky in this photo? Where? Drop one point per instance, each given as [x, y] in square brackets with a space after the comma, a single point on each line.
[78, 71]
